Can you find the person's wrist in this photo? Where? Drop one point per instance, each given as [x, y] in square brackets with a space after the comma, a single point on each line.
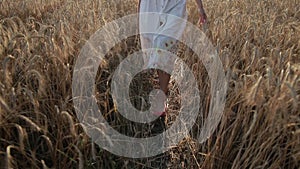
[200, 10]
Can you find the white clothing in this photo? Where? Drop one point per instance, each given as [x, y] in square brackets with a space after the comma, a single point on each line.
[162, 25]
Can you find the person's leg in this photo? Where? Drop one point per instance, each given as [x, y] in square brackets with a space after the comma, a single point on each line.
[160, 125]
[164, 79]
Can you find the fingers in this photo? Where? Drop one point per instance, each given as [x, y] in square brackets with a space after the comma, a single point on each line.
[202, 20]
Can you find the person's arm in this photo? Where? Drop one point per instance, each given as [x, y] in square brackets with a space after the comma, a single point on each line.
[138, 7]
[202, 13]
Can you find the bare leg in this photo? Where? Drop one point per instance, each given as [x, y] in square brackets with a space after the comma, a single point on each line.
[164, 79]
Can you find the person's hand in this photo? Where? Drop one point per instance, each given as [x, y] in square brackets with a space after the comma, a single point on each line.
[202, 17]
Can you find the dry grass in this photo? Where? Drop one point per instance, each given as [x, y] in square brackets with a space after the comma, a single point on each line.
[257, 41]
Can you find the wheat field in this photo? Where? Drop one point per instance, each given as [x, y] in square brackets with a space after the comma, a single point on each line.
[257, 41]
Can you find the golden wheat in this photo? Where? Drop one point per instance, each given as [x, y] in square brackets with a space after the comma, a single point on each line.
[257, 42]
